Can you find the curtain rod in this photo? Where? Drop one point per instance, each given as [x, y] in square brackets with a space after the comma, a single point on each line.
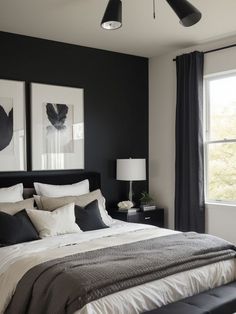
[217, 49]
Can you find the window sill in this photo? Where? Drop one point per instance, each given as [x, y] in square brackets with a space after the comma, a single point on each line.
[218, 204]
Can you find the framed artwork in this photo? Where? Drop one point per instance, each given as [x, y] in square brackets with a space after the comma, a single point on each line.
[57, 123]
[12, 126]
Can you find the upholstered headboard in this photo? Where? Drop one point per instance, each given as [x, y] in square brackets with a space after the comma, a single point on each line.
[50, 177]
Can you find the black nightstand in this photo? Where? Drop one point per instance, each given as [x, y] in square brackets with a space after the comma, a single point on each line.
[150, 217]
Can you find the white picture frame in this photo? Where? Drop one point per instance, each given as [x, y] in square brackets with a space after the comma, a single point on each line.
[57, 125]
[12, 126]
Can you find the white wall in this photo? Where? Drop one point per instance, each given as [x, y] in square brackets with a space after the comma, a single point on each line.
[221, 220]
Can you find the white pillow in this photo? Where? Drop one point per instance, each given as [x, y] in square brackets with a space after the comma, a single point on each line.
[51, 190]
[107, 219]
[12, 194]
[60, 221]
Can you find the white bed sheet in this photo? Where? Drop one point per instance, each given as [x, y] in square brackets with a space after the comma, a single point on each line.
[16, 260]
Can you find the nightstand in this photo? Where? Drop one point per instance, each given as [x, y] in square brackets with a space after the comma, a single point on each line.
[150, 217]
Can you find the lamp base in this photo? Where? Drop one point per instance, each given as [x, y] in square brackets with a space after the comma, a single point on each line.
[131, 191]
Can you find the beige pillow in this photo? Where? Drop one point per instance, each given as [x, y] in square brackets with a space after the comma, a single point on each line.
[53, 223]
[51, 203]
[13, 208]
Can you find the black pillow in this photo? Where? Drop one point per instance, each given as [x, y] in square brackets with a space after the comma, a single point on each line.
[16, 229]
[89, 218]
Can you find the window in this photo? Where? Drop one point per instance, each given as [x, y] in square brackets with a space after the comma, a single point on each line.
[220, 138]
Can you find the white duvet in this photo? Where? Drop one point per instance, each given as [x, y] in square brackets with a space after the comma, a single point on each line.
[16, 260]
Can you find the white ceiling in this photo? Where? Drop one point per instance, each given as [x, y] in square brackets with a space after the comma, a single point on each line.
[78, 22]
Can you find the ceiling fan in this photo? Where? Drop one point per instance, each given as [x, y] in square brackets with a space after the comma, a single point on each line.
[187, 13]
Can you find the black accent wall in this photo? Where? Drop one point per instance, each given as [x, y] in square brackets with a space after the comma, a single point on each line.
[115, 98]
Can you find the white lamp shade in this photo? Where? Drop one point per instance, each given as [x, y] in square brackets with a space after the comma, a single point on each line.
[131, 169]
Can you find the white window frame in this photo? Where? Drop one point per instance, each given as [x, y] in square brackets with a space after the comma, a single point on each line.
[206, 133]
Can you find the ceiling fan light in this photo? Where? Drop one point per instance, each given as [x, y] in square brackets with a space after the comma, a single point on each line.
[187, 13]
[112, 18]
[191, 19]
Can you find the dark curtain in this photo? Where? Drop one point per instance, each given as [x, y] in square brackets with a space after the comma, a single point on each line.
[189, 166]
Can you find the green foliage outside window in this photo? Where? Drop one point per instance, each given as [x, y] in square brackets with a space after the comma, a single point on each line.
[222, 156]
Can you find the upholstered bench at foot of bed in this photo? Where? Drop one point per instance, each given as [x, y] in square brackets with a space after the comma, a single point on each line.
[221, 300]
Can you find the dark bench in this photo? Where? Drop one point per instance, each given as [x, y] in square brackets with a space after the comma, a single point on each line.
[221, 300]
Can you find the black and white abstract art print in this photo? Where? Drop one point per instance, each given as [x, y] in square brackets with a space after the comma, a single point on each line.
[12, 126]
[57, 127]
[6, 124]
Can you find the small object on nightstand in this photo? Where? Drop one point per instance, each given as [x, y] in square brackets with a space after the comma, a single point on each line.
[148, 207]
[147, 202]
[125, 204]
[128, 210]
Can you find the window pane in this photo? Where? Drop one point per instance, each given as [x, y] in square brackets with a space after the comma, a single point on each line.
[222, 99]
[221, 172]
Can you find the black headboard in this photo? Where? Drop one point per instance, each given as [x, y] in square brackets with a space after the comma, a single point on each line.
[50, 177]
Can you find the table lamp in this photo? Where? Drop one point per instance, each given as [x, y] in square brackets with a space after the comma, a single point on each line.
[132, 169]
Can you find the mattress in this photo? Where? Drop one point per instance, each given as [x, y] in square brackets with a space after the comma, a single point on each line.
[16, 260]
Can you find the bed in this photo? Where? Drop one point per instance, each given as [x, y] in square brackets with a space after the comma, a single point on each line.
[18, 261]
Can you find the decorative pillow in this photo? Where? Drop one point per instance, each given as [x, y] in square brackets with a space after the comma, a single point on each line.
[16, 229]
[13, 208]
[89, 217]
[51, 190]
[59, 221]
[51, 203]
[12, 194]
